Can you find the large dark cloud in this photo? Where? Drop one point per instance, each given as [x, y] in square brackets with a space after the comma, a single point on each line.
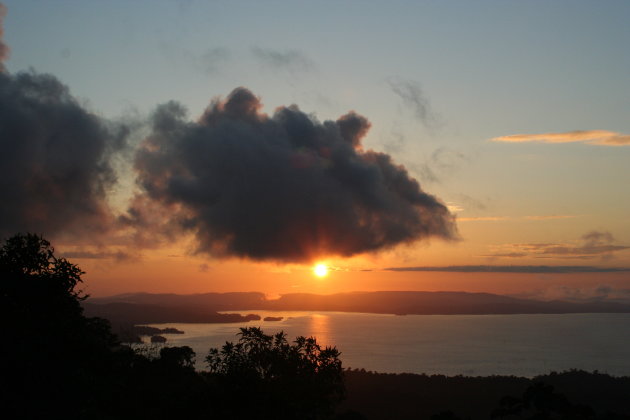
[54, 159]
[284, 187]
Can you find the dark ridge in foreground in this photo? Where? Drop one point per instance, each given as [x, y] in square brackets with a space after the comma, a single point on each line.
[384, 396]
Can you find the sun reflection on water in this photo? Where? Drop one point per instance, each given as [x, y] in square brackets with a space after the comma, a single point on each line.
[319, 327]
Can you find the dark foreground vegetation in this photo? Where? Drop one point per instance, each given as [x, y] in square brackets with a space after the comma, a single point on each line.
[59, 363]
[567, 395]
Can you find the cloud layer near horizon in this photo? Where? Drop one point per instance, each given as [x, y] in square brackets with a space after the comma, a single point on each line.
[284, 187]
[515, 269]
[595, 137]
[593, 244]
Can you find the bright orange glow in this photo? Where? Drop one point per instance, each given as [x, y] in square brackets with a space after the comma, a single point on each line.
[320, 270]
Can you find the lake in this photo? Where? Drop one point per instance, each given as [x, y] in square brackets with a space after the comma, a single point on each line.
[522, 345]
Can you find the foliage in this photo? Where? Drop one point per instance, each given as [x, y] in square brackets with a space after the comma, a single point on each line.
[539, 401]
[282, 380]
[57, 363]
[30, 270]
[55, 353]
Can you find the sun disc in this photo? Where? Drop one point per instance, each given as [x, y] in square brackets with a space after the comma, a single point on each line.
[320, 270]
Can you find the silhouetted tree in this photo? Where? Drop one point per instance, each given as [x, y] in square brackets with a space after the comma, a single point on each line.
[264, 376]
[540, 402]
[53, 353]
[57, 363]
[445, 415]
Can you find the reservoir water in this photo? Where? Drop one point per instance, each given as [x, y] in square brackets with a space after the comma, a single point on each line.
[472, 345]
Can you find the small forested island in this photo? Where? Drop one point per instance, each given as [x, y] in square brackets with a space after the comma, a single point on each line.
[70, 365]
[158, 339]
[273, 318]
[146, 330]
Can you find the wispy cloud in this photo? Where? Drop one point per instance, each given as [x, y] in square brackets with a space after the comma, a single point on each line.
[504, 218]
[483, 219]
[551, 217]
[596, 137]
[98, 255]
[515, 269]
[591, 245]
[414, 98]
[602, 292]
[441, 163]
[292, 61]
[209, 61]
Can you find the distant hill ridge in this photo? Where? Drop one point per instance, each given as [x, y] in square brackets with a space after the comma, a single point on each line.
[203, 307]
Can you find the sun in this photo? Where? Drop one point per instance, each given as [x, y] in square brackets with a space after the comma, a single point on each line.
[320, 270]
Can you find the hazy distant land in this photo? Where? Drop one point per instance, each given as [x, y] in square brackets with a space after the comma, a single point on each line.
[146, 308]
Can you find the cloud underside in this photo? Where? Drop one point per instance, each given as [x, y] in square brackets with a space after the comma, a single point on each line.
[595, 137]
[284, 187]
[514, 269]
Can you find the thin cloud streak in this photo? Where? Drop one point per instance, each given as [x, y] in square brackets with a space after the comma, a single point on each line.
[594, 137]
[293, 61]
[483, 219]
[90, 255]
[593, 244]
[552, 217]
[514, 269]
[504, 218]
[414, 98]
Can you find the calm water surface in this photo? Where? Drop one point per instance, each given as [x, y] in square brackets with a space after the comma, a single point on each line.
[524, 345]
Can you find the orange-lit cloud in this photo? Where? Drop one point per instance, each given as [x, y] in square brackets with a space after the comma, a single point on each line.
[551, 217]
[514, 269]
[483, 219]
[596, 137]
[504, 218]
[593, 244]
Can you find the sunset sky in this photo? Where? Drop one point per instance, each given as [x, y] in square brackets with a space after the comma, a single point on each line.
[512, 115]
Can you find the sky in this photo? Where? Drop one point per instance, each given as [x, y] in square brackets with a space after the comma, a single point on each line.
[197, 146]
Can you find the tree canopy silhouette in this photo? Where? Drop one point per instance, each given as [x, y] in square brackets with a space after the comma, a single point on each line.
[53, 352]
[281, 380]
[58, 363]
